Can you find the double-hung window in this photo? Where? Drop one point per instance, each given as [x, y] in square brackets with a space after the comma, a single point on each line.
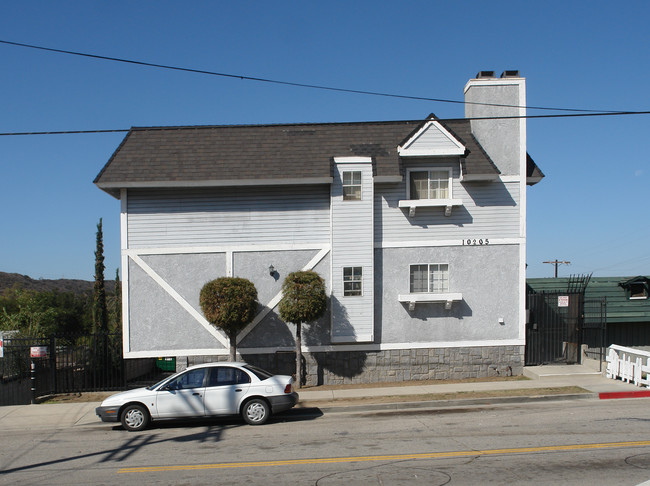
[430, 278]
[352, 281]
[430, 184]
[352, 185]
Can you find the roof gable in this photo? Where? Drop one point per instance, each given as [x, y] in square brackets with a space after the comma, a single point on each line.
[430, 140]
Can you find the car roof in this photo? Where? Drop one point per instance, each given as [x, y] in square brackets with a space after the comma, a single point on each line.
[235, 364]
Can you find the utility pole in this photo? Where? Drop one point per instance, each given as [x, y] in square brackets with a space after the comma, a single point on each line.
[558, 263]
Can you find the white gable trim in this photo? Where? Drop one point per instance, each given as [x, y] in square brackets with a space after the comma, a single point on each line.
[412, 148]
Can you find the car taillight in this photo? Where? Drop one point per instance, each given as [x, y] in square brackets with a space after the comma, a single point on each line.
[287, 389]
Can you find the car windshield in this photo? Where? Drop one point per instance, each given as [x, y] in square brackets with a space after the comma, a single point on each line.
[259, 372]
[151, 387]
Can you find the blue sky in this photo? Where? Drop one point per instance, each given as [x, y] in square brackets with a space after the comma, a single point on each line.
[591, 209]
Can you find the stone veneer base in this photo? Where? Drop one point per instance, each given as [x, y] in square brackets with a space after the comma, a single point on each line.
[356, 367]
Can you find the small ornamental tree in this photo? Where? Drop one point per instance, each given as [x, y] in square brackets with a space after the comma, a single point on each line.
[229, 303]
[304, 300]
[100, 311]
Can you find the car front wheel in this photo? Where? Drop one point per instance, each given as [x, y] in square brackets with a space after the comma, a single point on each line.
[256, 411]
[135, 417]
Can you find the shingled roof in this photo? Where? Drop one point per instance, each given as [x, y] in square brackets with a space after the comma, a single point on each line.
[245, 154]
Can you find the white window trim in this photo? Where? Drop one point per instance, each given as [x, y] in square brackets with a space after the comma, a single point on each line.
[412, 204]
[344, 185]
[360, 281]
[413, 298]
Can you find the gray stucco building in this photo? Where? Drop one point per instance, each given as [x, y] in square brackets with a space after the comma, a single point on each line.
[418, 228]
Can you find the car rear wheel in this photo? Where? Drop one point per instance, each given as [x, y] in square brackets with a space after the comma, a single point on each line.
[256, 411]
[135, 417]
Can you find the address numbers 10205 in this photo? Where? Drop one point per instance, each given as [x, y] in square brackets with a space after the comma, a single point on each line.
[476, 242]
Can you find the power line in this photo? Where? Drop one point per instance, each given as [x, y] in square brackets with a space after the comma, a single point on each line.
[116, 130]
[286, 83]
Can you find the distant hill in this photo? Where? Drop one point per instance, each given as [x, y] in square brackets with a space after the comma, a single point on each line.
[9, 280]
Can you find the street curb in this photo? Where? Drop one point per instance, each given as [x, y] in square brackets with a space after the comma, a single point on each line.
[443, 404]
[625, 394]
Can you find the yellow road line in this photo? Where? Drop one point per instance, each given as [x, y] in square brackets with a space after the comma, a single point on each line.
[393, 457]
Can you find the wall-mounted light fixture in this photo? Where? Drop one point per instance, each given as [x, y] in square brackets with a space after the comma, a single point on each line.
[271, 270]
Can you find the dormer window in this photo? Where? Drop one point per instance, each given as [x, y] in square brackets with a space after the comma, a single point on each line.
[429, 187]
[430, 184]
[638, 290]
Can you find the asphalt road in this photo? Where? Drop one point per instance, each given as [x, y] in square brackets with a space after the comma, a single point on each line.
[567, 442]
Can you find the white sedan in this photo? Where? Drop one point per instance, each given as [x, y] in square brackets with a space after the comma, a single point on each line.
[206, 390]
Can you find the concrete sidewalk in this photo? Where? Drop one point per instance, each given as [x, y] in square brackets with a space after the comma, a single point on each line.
[548, 376]
[54, 416]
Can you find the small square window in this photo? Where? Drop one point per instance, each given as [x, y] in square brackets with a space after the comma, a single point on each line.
[352, 185]
[352, 281]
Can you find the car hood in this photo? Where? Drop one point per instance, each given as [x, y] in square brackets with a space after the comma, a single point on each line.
[124, 397]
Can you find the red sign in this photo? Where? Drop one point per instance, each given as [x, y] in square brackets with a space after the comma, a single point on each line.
[2, 347]
[38, 352]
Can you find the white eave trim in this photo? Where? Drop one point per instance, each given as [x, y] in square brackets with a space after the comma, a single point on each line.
[405, 151]
[353, 160]
[388, 179]
[214, 183]
[479, 177]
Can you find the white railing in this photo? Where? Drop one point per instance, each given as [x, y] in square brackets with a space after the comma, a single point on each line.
[630, 365]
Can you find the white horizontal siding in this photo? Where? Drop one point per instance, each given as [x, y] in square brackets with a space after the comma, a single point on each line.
[432, 140]
[173, 218]
[352, 246]
[489, 210]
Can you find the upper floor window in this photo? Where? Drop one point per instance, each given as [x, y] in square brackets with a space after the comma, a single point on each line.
[352, 281]
[430, 277]
[430, 184]
[352, 185]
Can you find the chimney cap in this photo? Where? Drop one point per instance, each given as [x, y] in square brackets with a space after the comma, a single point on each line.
[510, 74]
[485, 74]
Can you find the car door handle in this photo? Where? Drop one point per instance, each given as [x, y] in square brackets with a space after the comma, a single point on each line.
[238, 389]
[196, 394]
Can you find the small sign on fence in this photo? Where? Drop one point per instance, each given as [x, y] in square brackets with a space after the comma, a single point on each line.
[38, 352]
[2, 347]
[563, 301]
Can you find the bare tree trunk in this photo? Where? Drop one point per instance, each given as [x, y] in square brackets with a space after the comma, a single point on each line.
[233, 347]
[298, 355]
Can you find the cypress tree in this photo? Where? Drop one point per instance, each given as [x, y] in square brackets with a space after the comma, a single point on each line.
[100, 311]
[118, 301]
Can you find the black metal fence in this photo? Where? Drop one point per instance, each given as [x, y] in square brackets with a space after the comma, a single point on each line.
[37, 367]
[560, 323]
[594, 328]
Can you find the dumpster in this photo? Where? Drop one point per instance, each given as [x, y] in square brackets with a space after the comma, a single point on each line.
[166, 364]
